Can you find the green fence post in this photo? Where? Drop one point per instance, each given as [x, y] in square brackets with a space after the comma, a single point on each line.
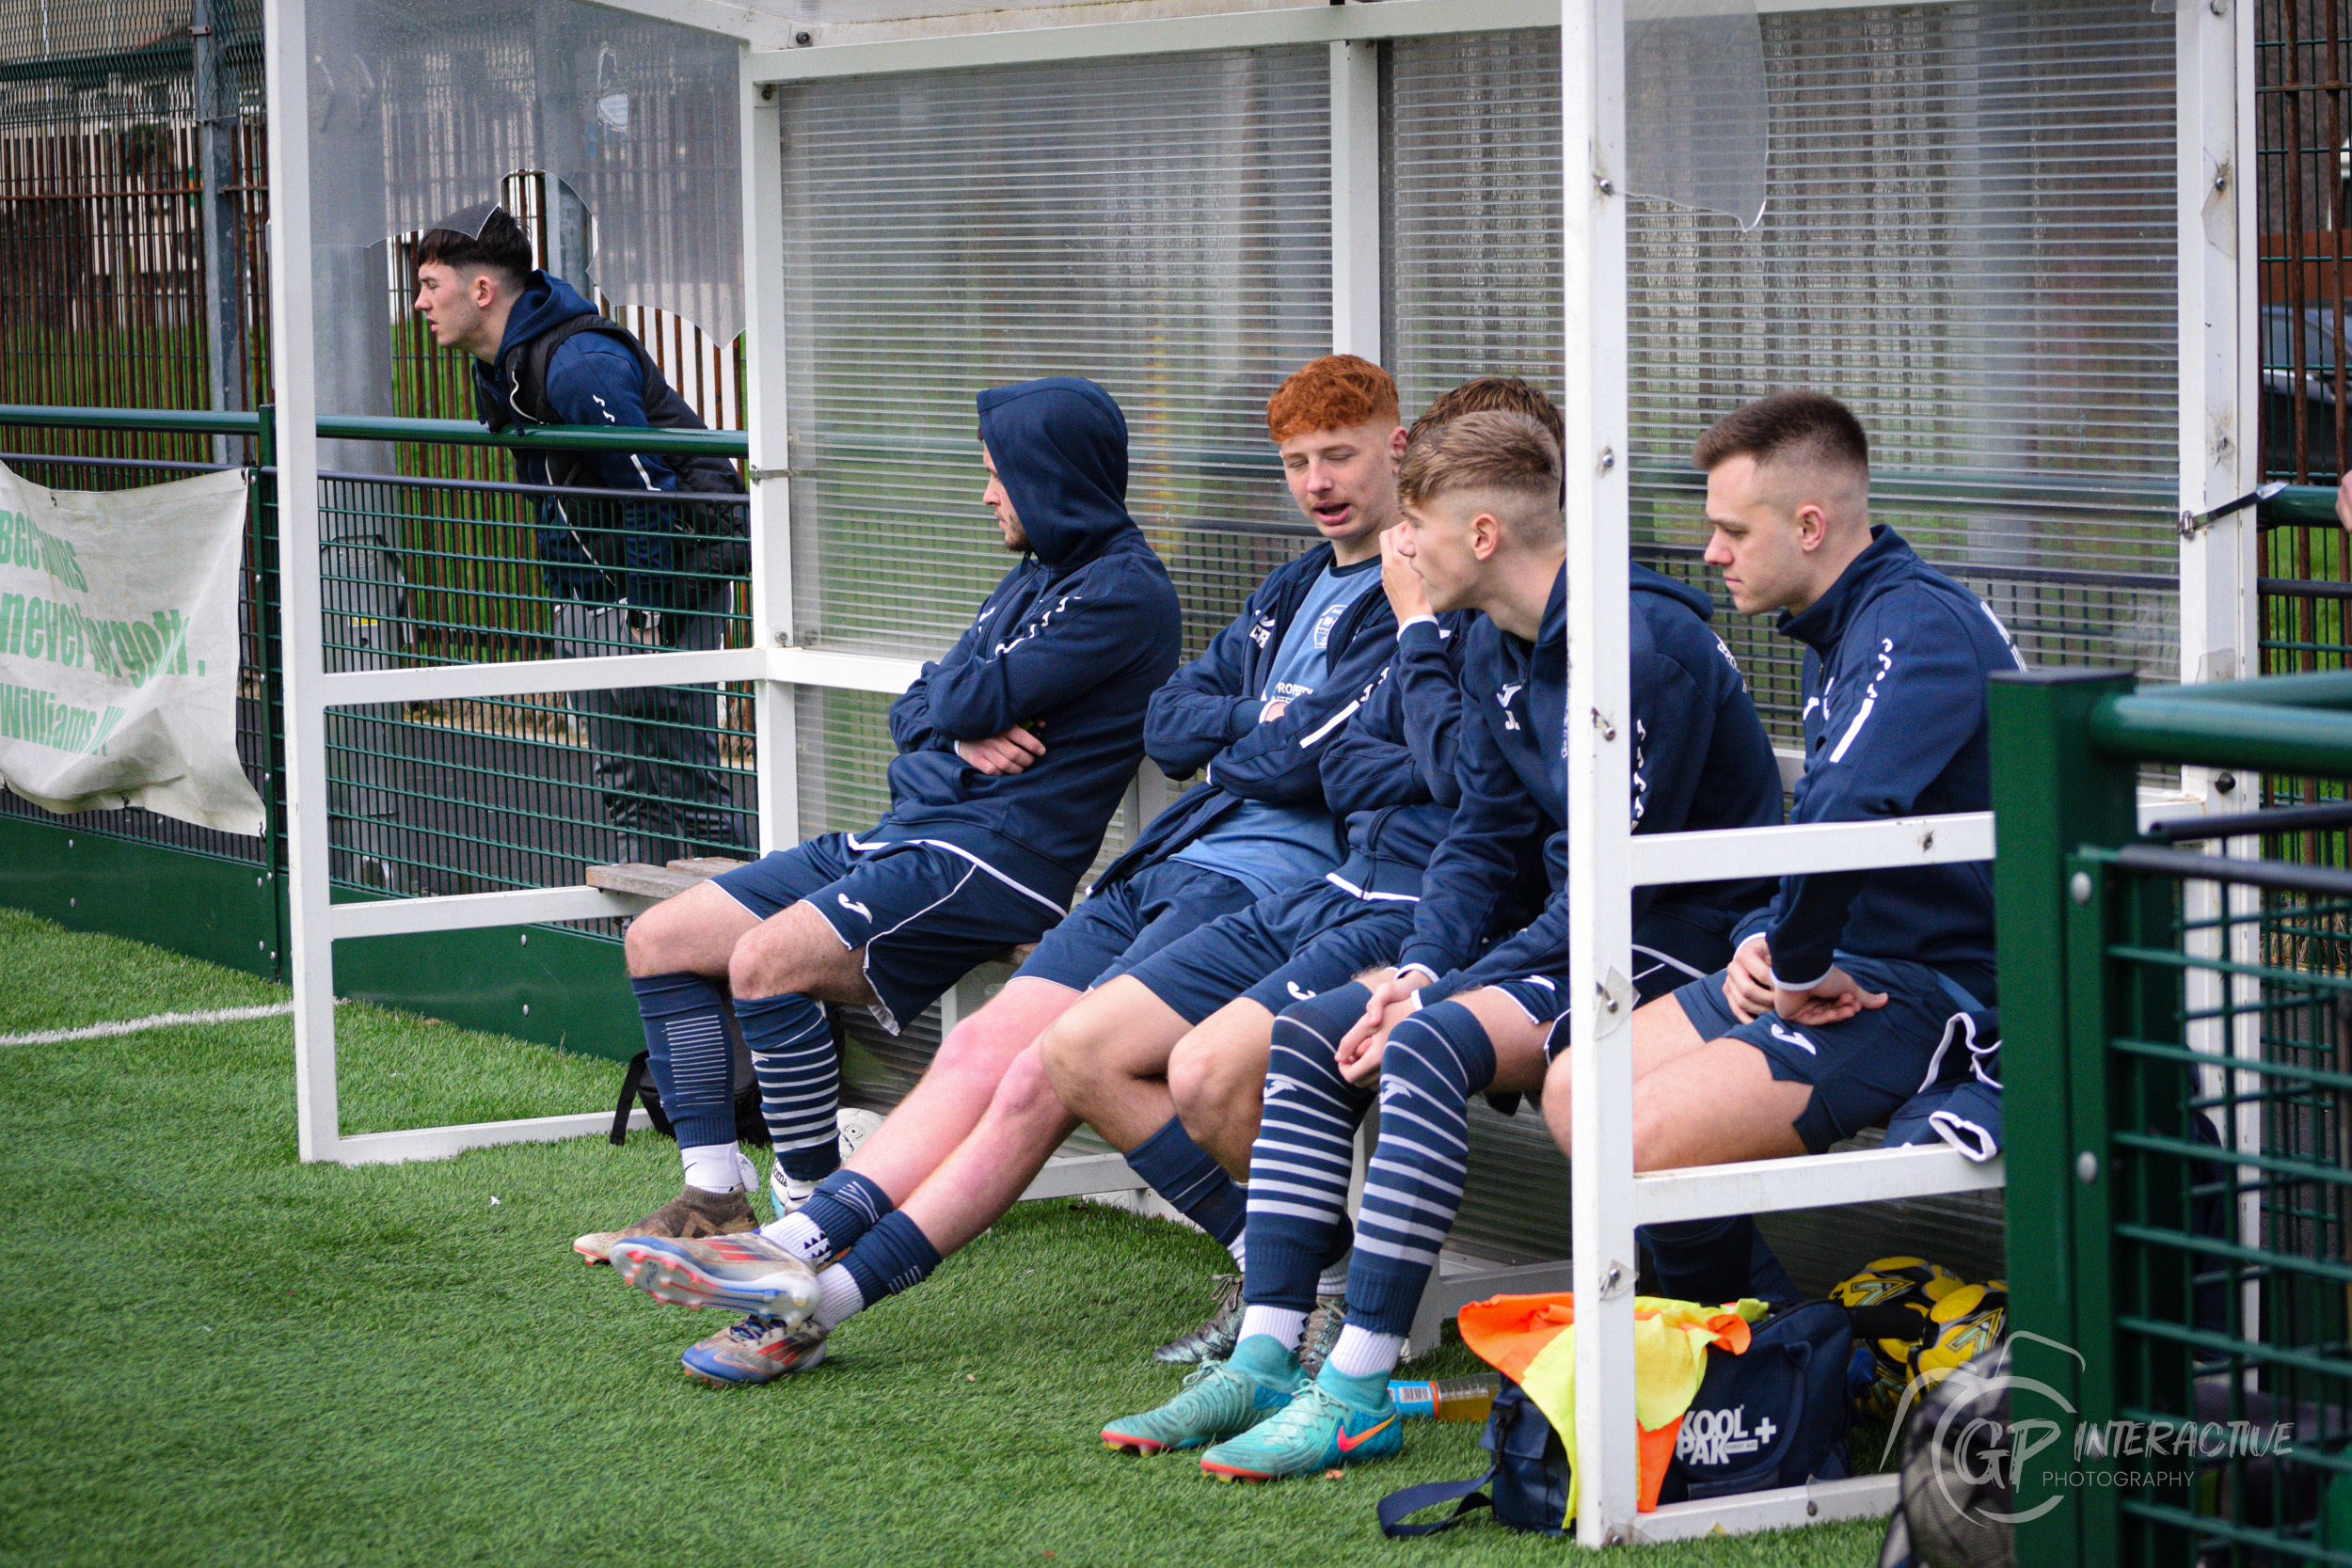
[2051, 795]
[273, 651]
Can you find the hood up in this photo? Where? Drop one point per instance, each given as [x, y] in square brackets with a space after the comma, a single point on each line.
[1060, 448]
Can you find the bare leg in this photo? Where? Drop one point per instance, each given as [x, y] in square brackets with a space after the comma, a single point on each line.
[1518, 1040]
[955, 1095]
[986, 1173]
[1108, 1060]
[796, 951]
[1695, 1101]
[1216, 1077]
[693, 933]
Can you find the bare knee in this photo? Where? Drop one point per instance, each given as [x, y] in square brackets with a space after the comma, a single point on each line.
[1067, 1056]
[978, 1045]
[680, 934]
[1026, 1092]
[1213, 1087]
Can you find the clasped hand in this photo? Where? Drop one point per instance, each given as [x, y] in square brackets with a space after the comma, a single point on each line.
[1000, 754]
[1748, 987]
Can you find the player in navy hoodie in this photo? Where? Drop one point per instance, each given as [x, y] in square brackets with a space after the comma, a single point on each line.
[1014, 748]
[1256, 709]
[622, 576]
[1835, 1006]
[1482, 530]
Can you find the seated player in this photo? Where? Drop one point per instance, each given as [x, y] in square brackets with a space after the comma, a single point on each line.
[1481, 498]
[1014, 752]
[1209, 1001]
[1835, 1008]
[1274, 687]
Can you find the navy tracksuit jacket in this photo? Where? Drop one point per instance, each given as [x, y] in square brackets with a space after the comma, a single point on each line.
[1391, 775]
[1700, 761]
[1073, 643]
[1895, 661]
[1207, 714]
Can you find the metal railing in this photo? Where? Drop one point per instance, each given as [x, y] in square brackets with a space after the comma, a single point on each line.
[2179, 1090]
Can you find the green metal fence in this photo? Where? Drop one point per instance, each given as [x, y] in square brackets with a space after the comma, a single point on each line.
[425, 798]
[2178, 1062]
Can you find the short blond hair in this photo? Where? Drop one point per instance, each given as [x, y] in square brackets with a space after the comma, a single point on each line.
[1509, 457]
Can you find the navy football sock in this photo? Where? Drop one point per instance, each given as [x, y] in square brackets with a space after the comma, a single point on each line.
[800, 1081]
[1435, 1060]
[686, 1046]
[1190, 1178]
[1305, 1154]
[845, 1207]
[1715, 1260]
[895, 1255]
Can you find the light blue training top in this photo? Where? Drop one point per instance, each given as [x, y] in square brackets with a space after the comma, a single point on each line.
[1267, 847]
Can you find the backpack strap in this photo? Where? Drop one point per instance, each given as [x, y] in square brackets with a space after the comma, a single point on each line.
[1468, 1497]
[632, 1081]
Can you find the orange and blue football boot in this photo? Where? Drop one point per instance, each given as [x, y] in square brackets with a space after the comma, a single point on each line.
[749, 1274]
[758, 1350]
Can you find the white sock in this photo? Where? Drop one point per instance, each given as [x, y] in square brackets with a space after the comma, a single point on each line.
[1333, 1280]
[1286, 1326]
[712, 1167]
[1239, 1248]
[837, 1298]
[1361, 1352]
[799, 1234]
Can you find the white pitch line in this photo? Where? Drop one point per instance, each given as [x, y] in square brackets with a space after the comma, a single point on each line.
[157, 1021]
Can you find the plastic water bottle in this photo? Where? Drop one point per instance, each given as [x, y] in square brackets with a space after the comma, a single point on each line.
[1450, 1399]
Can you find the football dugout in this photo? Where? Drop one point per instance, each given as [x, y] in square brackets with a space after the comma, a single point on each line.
[2006, 232]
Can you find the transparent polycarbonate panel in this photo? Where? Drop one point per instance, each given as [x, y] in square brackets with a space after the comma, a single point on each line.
[1969, 237]
[1695, 131]
[420, 110]
[1161, 225]
[852, 13]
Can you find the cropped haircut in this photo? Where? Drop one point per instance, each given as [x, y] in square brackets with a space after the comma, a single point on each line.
[1803, 425]
[1508, 394]
[1330, 393]
[1494, 451]
[501, 248]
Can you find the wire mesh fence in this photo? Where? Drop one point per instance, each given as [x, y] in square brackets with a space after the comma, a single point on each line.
[2228, 1055]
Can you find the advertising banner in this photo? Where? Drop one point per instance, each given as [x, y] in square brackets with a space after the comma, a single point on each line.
[119, 649]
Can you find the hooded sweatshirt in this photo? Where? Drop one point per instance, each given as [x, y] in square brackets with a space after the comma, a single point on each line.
[1207, 715]
[1895, 663]
[1701, 760]
[593, 379]
[1070, 644]
[1390, 773]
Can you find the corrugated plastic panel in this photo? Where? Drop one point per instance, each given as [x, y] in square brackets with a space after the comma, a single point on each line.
[1159, 226]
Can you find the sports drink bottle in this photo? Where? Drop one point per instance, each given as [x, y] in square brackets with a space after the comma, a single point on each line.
[1449, 1398]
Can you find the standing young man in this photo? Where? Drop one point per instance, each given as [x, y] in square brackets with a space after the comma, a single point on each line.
[1481, 504]
[1013, 750]
[1256, 709]
[1836, 1005]
[626, 576]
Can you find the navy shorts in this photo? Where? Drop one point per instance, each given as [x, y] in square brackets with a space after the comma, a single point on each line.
[1668, 953]
[1133, 918]
[1861, 1070]
[1280, 951]
[926, 916]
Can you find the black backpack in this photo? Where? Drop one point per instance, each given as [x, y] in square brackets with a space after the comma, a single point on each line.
[1775, 1416]
[714, 541]
[751, 1127]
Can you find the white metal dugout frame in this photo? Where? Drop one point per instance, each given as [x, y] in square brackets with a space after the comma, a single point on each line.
[2218, 461]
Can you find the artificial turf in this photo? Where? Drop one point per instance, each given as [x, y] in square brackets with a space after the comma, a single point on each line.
[210, 1352]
